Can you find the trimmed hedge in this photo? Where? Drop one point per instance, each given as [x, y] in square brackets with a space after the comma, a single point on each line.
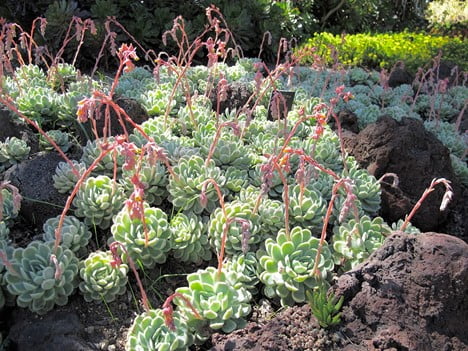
[386, 49]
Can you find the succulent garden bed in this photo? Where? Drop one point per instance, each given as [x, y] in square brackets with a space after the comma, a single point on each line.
[151, 210]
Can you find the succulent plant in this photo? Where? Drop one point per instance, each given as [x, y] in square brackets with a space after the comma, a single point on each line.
[13, 151]
[448, 135]
[325, 307]
[175, 149]
[62, 139]
[353, 242]
[244, 269]
[150, 332]
[156, 128]
[148, 243]
[11, 203]
[42, 277]
[39, 103]
[287, 266]
[91, 152]
[189, 238]
[271, 214]
[306, 207]
[460, 169]
[185, 189]
[61, 75]
[64, 178]
[102, 280]
[221, 305]
[410, 229]
[199, 112]
[98, 200]
[157, 100]
[75, 234]
[154, 179]
[243, 228]
[236, 179]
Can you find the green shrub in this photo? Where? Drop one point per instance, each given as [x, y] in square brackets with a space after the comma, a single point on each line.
[385, 50]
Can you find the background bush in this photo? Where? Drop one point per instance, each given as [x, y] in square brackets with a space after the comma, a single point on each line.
[385, 50]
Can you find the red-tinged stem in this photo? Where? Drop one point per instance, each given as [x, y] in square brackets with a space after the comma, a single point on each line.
[144, 297]
[218, 192]
[58, 231]
[168, 302]
[7, 263]
[285, 199]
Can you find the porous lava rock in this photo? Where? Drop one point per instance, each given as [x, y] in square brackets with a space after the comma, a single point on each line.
[399, 76]
[57, 331]
[9, 127]
[33, 178]
[411, 294]
[407, 149]
[237, 95]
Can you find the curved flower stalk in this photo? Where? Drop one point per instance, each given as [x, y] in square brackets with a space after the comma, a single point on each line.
[145, 234]
[153, 176]
[41, 276]
[102, 279]
[150, 332]
[239, 224]
[65, 177]
[287, 266]
[98, 200]
[75, 234]
[221, 305]
[155, 128]
[306, 208]
[354, 241]
[189, 238]
[185, 189]
[198, 113]
[108, 163]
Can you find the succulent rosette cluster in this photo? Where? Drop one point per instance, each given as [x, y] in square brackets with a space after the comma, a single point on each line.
[74, 234]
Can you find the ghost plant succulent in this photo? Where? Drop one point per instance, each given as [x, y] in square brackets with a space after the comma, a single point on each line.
[41, 276]
[102, 279]
[75, 234]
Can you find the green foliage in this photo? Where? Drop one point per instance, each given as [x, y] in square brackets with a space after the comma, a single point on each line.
[64, 178]
[98, 200]
[186, 186]
[11, 205]
[37, 281]
[306, 208]
[189, 238]
[353, 242]
[287, 265]
[62, 139]
[150, 332]
[13, 151]
[243, 228]
[102, 280]
[74, 235]
[448, 135]
[146, 242]
[325, 307]
[222, 304]
[447, 15]
[106, 166]
[460, 169]
[385, 50]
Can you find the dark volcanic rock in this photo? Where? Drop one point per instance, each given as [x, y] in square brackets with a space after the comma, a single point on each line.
[34, 180]
[11, 128]
[412, 294]
[416, 156]
[399, 76]
[57, 331]
[237, 95]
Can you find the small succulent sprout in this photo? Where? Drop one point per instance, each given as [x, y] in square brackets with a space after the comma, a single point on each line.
[325, 306]
[65, 178]
[150, 332]
[306, 207]
[410, 229]
[221, 305]
[189, 238]
[42, 277]
[146, 235]
[354, 241]
[62, 139]
[156, 128]
[178, 148]
[154, 179]
[102, 280]
[238, 223]
[13, 151]
[106, 166]
[186, 186]
[287, 266]
[75, 234]
[98, 200]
